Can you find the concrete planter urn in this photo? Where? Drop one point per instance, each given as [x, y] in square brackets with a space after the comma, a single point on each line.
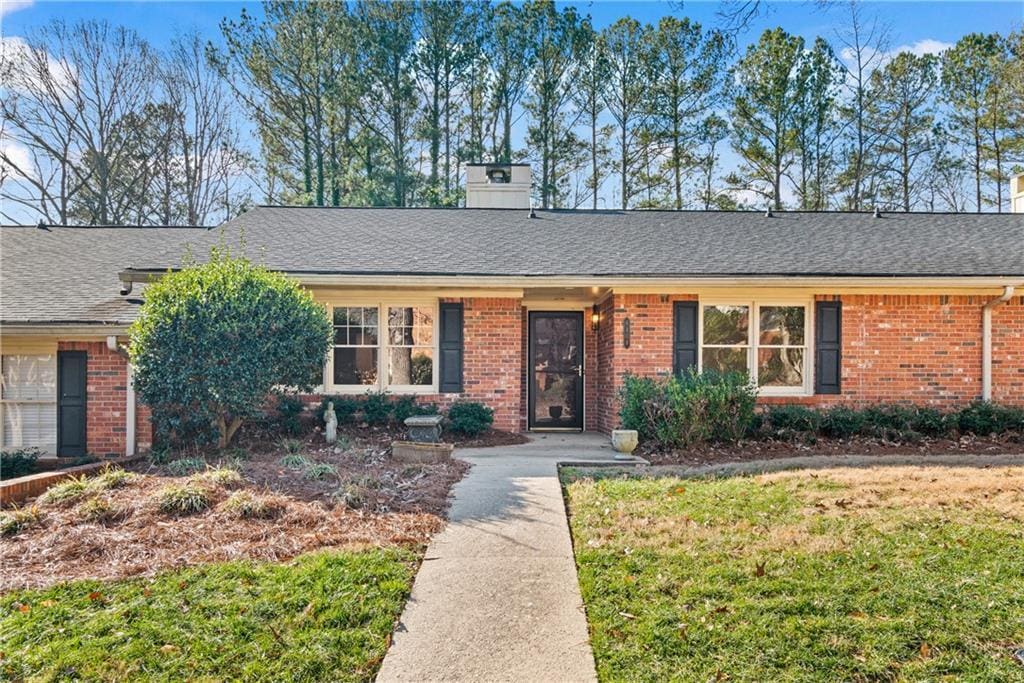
[625, 441]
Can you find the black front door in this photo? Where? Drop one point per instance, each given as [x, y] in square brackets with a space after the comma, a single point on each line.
[556, 370]
[71, 366]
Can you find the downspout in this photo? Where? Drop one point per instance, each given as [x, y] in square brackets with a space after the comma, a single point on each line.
[986, 341]
[129, 407]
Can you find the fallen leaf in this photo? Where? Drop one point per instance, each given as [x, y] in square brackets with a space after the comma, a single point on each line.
[759, 569]
[169, 648]
[857, 614]
[95, 595]
[627, 615]
[48, 603]
[926, 650]
[147, 592]
[23, 608]
[873, 567]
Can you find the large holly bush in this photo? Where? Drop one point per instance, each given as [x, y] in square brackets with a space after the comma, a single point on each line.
[212, 340]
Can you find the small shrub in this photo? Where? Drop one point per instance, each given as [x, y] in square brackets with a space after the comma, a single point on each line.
[291, 446]
[984, 418]
[18, 462]
[691, 408]
[793, 418]
[883, 419]
[183, 466]
[18, 519]
[288, 413]
[247, 505]
[931, 422]
[841, 422]
[160, 456]
[377, 408]
[295, 462]
[319, 470]
[100, 510]
[470, 418]
[406, 407]
[66, 491]
[220, 476]
[111, 478]
[345, 408]
[183, 499]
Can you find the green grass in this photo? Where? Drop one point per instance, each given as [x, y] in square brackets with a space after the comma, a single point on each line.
[325, 616]
[803, 576]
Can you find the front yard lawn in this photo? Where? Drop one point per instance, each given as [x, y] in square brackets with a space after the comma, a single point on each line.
[323, 616]
[882, 573]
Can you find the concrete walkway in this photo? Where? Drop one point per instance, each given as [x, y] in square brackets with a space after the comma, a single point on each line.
[497, 598]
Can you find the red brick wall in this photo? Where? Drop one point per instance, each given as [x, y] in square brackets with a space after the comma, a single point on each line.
[492, 363]
[106, 395]
[922, 349]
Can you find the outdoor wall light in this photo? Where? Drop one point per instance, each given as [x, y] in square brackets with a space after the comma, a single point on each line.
[595, 318]
[627, 328]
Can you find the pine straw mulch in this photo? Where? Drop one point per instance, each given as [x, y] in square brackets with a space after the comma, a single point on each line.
[371, 501]
[771, 449]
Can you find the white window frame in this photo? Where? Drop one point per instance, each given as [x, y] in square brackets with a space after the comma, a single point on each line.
[753, 340]
[383, 347]
[7, 404]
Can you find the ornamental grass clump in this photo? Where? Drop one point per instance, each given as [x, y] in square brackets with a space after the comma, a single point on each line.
[184, 466]
[692, 408]
[18, 519]
[66, 491]
[220, 476]
[319, 470]
[183, 499]
[101, 510]
[248, 505]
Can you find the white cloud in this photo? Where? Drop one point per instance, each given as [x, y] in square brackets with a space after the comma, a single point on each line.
[18, 155]
[928, 46]
[24, 80]
[12, 6]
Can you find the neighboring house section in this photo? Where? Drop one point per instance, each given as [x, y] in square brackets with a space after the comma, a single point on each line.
[542, 314]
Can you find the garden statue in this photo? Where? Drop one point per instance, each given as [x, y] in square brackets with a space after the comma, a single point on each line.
[330, 423]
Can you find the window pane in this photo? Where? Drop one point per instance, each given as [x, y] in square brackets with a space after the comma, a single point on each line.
[411, 326]
[726, 324]
[782, 325]
[28, 425]
[355, 365]
[780, 367]
[29, 377]
[355, 326]
[411, 366]
[725, 360]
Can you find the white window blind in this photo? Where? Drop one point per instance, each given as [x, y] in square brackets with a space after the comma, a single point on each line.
[28, 401]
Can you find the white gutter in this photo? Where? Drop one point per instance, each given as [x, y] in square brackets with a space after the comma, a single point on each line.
[986, 341]
[129, 401]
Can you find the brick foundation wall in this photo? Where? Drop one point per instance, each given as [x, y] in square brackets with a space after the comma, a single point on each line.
[106, 395]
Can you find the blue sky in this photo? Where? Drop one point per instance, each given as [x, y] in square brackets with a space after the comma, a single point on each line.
[920, 26]
[912, 22]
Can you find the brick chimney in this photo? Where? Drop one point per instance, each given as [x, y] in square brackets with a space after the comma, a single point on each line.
[498, 186]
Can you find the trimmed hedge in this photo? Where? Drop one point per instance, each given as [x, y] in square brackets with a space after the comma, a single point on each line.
[890, 421]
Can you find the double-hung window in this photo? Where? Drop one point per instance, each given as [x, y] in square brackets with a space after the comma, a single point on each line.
[28, 401]
[384, 346]
[768, 341]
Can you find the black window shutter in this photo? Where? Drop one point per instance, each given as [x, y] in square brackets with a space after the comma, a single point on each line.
[828, 347]
[684, 336]
[451, 348]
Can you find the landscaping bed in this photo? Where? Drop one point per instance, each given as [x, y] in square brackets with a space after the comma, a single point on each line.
[771, 448]
[858, 573]
[323, 616]
[266, 500]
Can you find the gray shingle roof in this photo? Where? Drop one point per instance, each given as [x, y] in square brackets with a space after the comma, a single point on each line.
[70, 274]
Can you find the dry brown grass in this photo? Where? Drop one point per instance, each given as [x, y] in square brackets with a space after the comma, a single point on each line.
[879, 500]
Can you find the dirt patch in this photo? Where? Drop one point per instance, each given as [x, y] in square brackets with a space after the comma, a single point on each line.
[347, 496]
[770, 449]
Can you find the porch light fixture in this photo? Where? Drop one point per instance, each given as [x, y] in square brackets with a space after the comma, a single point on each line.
[595, 318]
